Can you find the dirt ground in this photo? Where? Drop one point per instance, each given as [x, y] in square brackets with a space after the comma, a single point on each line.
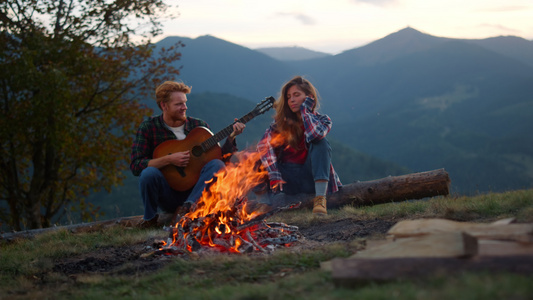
[136, 259]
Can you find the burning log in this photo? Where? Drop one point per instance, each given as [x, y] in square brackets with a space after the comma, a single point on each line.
[249, 236]
[262, 217]
[385, 190]
[227, 232]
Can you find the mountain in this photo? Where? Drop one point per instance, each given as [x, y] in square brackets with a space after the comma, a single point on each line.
[510, 46]
[395, 45]
[291, 53]
[418, 100]
[211, 64]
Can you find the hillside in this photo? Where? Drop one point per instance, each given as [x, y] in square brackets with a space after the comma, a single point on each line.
[417, 100]
[115, 261]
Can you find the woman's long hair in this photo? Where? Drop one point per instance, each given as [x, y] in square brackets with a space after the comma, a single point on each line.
[288, 122]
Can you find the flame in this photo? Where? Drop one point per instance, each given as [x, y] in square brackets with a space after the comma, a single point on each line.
[228, 186]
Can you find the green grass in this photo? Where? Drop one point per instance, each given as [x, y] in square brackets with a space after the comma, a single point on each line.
[26, 264]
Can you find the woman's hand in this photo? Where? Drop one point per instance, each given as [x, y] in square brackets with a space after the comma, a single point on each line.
[276, 186]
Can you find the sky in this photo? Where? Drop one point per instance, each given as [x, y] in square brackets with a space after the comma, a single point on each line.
[333, 26]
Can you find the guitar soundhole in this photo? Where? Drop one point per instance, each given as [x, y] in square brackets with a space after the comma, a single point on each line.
[197, 151]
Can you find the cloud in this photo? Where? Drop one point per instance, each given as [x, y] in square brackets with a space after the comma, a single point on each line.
[499, 28]
[375, 2]
[505, 9]
[304, 19]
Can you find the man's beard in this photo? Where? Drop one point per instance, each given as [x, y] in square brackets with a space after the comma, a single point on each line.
[180, 117]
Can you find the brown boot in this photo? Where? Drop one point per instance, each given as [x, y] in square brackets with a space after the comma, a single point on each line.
[144, 224]
[319, 206]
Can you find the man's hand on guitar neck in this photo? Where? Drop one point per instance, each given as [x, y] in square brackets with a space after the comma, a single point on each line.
[238, 128]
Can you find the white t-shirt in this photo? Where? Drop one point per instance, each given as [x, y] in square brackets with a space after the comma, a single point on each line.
[178, 131]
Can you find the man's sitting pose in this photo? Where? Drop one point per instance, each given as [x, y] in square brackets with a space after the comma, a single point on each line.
[172, 124]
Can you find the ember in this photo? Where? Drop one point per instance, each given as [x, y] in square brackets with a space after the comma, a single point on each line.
[233, 236]
[221, 221]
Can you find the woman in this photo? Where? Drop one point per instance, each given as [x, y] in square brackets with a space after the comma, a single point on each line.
[294, 149]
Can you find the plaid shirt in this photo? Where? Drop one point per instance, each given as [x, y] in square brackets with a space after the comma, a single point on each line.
[153, 132]
[316, 127]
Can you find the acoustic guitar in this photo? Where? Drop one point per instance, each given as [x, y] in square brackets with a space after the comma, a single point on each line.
[203, 146]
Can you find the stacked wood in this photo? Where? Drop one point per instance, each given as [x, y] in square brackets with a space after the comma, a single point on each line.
[226, 232]
[385, 190]
[416, 248]
[496, 230]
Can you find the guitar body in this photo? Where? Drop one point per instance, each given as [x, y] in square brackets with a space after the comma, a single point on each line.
[203, 147]
[184, 178]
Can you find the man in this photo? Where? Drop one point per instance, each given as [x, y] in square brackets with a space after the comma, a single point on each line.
[173, 123]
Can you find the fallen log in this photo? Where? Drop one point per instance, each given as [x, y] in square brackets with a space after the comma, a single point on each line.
[76, 228]
[390, 189]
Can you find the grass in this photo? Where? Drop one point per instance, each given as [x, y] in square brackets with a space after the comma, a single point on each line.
[26, 265]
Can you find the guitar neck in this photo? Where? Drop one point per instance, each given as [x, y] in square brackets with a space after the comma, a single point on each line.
[224, 133]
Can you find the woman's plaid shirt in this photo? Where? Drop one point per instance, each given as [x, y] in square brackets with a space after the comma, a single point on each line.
[316, 127]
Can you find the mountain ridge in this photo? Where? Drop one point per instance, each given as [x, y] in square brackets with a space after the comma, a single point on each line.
[291, 53]
[522, 49]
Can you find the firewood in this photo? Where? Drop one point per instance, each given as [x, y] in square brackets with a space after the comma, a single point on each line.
[192, 234]
[281, 240]
[262, 217]
[282, 226]
[249, 236]
[390, 189]
[245, 246]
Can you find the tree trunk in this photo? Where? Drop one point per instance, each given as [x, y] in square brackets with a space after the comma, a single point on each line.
[385, 190]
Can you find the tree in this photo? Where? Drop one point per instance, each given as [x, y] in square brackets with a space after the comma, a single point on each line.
[70, 89]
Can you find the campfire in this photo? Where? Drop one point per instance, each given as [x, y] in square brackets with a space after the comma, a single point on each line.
[222, 219]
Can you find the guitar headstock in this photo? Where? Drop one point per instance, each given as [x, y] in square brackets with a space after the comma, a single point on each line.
[264, 106]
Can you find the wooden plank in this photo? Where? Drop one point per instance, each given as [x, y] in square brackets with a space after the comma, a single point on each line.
[352, 272]
[517, 232]
[504, 221]
[445, 244]
[448, 244]
[501, 248]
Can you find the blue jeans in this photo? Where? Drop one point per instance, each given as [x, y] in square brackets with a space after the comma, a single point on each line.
[157, 193]
[300, 178]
